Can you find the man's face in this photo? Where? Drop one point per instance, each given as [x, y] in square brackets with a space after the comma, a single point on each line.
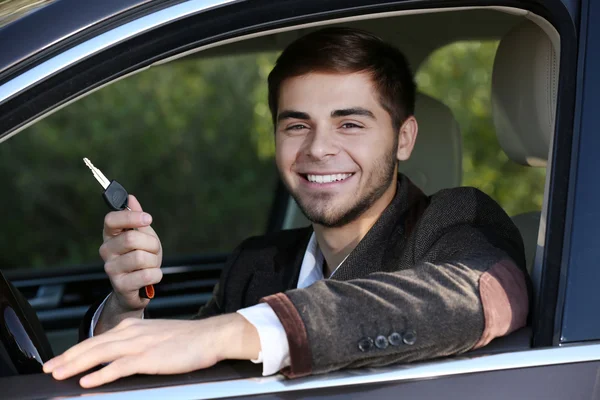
[336, 148]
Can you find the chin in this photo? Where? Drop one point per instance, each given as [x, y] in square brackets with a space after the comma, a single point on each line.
[331, 218]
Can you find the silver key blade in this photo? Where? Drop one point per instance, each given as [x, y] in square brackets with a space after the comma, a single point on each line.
[97, 174]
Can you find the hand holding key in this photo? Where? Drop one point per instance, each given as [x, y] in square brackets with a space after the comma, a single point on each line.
[132, 254]
[131, 251]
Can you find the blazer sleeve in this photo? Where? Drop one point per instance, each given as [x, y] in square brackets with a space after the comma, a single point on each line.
[84, 326]
[463, 290]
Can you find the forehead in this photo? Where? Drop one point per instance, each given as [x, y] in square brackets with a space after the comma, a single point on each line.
[327, 91]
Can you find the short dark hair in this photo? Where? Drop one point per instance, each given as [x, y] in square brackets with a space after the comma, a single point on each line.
[345, 50]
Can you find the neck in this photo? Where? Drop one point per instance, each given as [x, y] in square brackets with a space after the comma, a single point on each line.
[336, 243]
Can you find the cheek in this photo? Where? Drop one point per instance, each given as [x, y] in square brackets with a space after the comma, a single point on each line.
[381, 147]
[285, 153]
[360, 152]
[369, 154]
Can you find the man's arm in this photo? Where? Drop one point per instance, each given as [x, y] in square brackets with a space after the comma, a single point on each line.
[462, 291]
[463, 276]
[274, 348]
[438, 309]
[132, 256]
[139, 347]
[91, 319]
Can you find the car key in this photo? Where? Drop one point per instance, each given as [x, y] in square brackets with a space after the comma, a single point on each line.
[115, 196]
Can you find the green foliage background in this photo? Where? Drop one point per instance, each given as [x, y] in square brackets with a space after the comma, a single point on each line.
[460, 76]
[193, 141]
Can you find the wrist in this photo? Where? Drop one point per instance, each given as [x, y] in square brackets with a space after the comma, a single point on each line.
[238, 338]
[121, 305]
[113, 313]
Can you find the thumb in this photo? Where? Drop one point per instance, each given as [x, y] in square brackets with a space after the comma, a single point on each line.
[133, 203]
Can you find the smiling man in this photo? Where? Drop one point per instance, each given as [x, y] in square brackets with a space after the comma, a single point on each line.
[384, 274]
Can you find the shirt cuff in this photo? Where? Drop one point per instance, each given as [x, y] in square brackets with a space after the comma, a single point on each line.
[96, 316]
[275, 349]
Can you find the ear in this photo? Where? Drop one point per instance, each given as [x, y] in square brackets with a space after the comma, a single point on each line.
[406, 138]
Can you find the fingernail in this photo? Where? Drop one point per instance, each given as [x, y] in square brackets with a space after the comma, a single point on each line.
[146, 219]
[58, 373]
[85, 381]
[48, 366]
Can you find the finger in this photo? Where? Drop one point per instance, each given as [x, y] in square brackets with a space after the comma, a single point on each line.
[149, 231]
[124, 366]
[72, 353]
[133, 261]
[129, 241]
[133, 281]
[123, 331]
[133, 203]
[97, 355]
[116, 221]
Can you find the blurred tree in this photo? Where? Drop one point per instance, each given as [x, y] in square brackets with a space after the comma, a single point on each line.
[189, 139]
[193, 140]
[459, 75]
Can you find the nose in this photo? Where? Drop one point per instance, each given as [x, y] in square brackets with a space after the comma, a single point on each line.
[320, 144]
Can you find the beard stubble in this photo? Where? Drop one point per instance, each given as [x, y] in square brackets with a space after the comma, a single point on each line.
[322, 212]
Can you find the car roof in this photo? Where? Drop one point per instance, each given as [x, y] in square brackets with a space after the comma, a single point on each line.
[36, 25]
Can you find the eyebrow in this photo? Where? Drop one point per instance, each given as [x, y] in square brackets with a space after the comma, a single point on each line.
[352, 111]
[289, 114]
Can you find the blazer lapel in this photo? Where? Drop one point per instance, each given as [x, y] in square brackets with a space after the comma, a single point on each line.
[382, 246]
[280, 271]
[288, 260]
[379, 250]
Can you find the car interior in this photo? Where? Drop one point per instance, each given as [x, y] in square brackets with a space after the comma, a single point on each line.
[523, 93]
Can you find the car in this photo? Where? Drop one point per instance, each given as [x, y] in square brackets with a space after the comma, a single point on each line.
[168, 97]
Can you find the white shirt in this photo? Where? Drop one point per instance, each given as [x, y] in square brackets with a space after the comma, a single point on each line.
[275, 349]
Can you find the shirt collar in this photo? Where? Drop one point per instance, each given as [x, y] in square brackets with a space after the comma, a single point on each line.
[312, 264]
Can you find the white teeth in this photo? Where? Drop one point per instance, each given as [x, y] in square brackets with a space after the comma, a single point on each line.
[327, 178]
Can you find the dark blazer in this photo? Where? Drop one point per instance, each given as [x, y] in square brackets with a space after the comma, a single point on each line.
[434, 276]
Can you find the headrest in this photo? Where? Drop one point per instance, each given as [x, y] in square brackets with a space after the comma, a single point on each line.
[436, 160]
[524, 86]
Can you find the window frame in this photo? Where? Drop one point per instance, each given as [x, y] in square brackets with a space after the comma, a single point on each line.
[578, 294]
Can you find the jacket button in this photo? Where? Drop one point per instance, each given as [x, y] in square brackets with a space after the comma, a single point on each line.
[381, 342]
[395, 339]
[410, 337]
[365, 344]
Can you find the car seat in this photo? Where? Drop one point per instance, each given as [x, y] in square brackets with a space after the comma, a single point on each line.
[524, 90]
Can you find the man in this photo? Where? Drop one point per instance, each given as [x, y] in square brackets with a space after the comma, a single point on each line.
[383, 275]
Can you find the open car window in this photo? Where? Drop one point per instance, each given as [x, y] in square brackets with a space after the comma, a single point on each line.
[190, 139]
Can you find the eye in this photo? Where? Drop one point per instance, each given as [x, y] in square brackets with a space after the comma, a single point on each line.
[297, 127]
[350, 125]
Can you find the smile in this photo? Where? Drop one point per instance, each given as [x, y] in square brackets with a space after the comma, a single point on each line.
[327, 178]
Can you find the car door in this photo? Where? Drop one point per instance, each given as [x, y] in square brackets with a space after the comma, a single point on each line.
[129, 39]
[194, 178]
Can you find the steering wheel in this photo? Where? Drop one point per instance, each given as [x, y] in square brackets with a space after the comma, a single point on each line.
[24, 346]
